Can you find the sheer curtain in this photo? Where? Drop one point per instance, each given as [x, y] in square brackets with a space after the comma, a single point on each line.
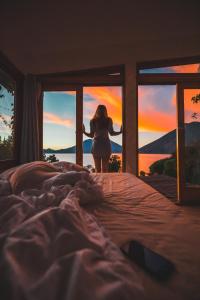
[30, 139]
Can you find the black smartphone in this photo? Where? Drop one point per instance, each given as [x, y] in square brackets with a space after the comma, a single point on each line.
[152, 262]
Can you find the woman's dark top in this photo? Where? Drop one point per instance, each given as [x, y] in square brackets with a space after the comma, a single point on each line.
[101, 146]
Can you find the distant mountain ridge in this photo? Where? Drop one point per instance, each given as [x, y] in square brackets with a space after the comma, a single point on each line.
[87, 147]
[164, 145]
[167, 143]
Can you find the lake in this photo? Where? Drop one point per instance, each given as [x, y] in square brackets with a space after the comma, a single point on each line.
[145, 160]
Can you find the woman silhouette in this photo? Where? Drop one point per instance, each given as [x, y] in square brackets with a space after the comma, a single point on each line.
[100, 126]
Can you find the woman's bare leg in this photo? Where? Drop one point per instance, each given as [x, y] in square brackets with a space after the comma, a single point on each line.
[105, 161]
[97, 162]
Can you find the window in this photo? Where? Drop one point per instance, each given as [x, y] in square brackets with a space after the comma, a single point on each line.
[59, 125]
[7, 112]
[159, 78]
[111, 97]
[190, 68]
[59, 90]
[157, 130]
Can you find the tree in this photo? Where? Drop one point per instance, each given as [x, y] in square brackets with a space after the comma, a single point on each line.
[195, 99]
[6, 145]
[51, 158]
[114, 164]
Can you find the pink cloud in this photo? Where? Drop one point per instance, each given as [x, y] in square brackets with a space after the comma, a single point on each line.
[55, 119]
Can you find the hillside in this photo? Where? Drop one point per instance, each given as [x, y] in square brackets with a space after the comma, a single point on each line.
[164, 145]
[167, 143]
[87, 146]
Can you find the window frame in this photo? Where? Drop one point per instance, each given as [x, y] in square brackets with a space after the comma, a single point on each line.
[77, 80]
[180, 80]
[18, 77]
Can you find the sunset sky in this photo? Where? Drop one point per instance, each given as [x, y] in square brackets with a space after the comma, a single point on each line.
[60, 114]
[157, 112]
[193, 68]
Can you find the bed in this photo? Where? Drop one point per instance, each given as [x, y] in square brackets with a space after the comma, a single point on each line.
[63, 247]
[133, 210]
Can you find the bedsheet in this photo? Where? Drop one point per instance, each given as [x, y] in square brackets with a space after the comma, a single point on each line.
[132, 210]
[51, 248]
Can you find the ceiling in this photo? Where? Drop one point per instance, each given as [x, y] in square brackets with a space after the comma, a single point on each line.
[49, 36]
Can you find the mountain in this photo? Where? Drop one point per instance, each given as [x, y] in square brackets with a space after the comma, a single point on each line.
[163, 145]
[167, 143]
[87, 146]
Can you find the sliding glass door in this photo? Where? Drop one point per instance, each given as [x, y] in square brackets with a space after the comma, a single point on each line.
[157, 137]
[62, 125]
[189, 142]
[111, 97]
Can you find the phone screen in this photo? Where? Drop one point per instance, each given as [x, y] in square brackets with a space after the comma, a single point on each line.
[152, 262]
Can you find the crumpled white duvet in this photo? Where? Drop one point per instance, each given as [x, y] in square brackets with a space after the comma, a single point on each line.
[51, 248]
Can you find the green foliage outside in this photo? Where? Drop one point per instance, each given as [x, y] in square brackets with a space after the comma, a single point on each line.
[195, 100]
[158, 166]
[51, 158]
[192, 164]
[6, 144]
[113, 166]
[142, 173]
[114, 163]
[167, 166]
[170, 167]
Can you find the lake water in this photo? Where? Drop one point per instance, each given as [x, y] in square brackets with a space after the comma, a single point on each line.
[145, 160]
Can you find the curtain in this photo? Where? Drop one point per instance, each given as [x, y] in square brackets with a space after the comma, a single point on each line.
[30, 139]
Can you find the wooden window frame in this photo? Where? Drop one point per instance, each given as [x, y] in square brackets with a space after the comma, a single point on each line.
[189, 192]
[180, 80]
[77, 80]
[18, 77]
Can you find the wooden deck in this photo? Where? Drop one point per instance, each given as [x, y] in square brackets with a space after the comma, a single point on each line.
[166, 185]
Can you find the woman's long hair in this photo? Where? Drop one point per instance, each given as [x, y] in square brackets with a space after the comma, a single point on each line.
[101, 117]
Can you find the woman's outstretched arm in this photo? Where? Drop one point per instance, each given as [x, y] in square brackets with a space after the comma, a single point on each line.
[91, 134]
[111, 130]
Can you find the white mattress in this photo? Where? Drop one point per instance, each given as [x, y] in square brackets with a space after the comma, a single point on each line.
[135, 211]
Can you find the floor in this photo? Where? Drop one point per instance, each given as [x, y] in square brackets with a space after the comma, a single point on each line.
[164, 184]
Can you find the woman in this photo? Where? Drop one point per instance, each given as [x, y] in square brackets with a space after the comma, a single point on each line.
[100, 126]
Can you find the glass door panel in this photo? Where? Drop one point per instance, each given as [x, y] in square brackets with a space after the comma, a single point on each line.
[157, 137]
[111, 97]
[59, 126]
[192, 137]
[189, 143]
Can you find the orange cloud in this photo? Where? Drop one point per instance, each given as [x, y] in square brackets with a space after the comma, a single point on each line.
[156, 121]
[111, 97]
[150, 117]
[193, 68]
[54, 119]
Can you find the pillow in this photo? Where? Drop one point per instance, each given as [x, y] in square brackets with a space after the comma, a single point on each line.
[31, 175]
